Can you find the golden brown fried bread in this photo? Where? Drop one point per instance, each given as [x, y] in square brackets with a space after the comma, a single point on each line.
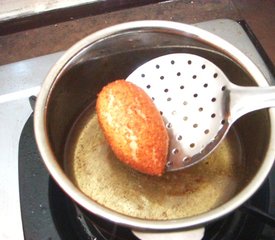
[133, 127]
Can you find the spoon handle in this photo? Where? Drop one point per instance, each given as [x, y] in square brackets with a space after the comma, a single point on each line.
[243, 100]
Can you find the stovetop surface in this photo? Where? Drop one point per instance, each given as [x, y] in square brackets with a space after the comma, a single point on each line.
[30, 210]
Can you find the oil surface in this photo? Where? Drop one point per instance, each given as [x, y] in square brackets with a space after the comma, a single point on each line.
[94, 169]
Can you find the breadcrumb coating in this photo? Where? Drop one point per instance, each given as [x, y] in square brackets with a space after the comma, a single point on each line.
[133, 127]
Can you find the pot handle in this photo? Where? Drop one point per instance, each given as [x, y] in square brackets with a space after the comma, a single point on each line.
[194, 234]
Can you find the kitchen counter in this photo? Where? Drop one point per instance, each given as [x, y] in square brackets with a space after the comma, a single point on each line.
[28, 42]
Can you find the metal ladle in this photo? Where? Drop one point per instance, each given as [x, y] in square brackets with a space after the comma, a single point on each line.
[197, 102]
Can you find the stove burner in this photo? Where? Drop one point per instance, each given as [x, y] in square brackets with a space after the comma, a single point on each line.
[48, 213]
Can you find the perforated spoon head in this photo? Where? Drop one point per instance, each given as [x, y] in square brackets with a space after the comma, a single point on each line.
[191, 95]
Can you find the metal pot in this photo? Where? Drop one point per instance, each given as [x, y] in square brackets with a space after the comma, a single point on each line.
[80, 161]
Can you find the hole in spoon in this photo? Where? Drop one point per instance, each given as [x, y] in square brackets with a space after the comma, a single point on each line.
[179, 138]
[186, 160]
[169, 164]
[192, 145]
[175, 151]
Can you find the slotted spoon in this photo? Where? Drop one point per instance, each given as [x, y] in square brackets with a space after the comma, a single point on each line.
[197, 102]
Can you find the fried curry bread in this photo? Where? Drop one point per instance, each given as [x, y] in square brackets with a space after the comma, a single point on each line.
[133, 127]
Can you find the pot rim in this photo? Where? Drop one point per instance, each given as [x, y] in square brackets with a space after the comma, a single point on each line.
[60, 177]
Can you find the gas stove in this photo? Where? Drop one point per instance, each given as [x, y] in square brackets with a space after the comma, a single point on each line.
[32, 205]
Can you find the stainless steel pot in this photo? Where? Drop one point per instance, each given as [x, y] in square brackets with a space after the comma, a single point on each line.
[64, 110]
